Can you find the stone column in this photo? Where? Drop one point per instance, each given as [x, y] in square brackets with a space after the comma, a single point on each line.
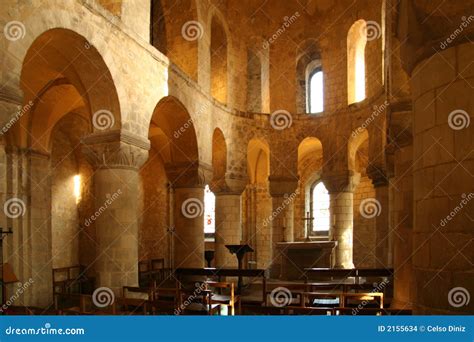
[228, 220]
[283, 192]
[341, 187]
[401, 222]
[116, 157]
[189, 223]
[443, 234]
[382, 231]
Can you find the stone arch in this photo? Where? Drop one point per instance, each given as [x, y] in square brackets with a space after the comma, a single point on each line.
[219, 156]
[219, 56]
[177, 32]
[356, 65]
[258, 69]
[359, 137]
[308, 59]
[310, 164]
[172, 132]
[258, 160]
[77, 76]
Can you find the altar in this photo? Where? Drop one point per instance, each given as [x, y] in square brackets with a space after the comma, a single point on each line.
[296, 256]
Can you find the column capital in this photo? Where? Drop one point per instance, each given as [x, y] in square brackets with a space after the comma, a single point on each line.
[115, 150]
[228, 185]
[281, 186]
[190, 174]
[378, 175]
[341, 180]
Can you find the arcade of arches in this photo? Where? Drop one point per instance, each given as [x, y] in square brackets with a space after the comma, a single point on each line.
[137, 130]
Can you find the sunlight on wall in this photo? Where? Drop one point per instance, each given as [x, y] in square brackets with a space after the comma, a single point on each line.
[316, 104]
[359, 76]
[321, 208]
[209, 211]
[356, 42]
[77, 187]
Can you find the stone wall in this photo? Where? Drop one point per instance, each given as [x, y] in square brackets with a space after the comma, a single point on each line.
[364, 228]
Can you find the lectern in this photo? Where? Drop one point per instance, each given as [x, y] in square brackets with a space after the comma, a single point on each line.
[239, 251]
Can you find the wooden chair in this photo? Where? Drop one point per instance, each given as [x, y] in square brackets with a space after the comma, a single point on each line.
[130, 306]
[165, 300]
[295, 289]
[195, 301]
[228, 299]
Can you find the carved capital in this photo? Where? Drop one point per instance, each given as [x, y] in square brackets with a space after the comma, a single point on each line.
[378, 175]
[228, 186]
[281, 186]
[188, 174]
[115, 150]
[341, 181]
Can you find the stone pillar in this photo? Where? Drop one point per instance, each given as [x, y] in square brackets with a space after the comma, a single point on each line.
[443, 234]
[228, 228]
[341, 187]
[116, 157]
[228, 218]
[283, 192]
[382, 231]
[189, 223]
[27, 209]
[401, 222]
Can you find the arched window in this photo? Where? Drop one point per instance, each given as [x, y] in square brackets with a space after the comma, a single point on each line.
[315, 91]
[320, 209]
[209, 211]
[356, 41]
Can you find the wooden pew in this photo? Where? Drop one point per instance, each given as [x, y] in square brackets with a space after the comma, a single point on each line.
[71, 279]
[356, 273]
[372, 311]
[220, 273]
